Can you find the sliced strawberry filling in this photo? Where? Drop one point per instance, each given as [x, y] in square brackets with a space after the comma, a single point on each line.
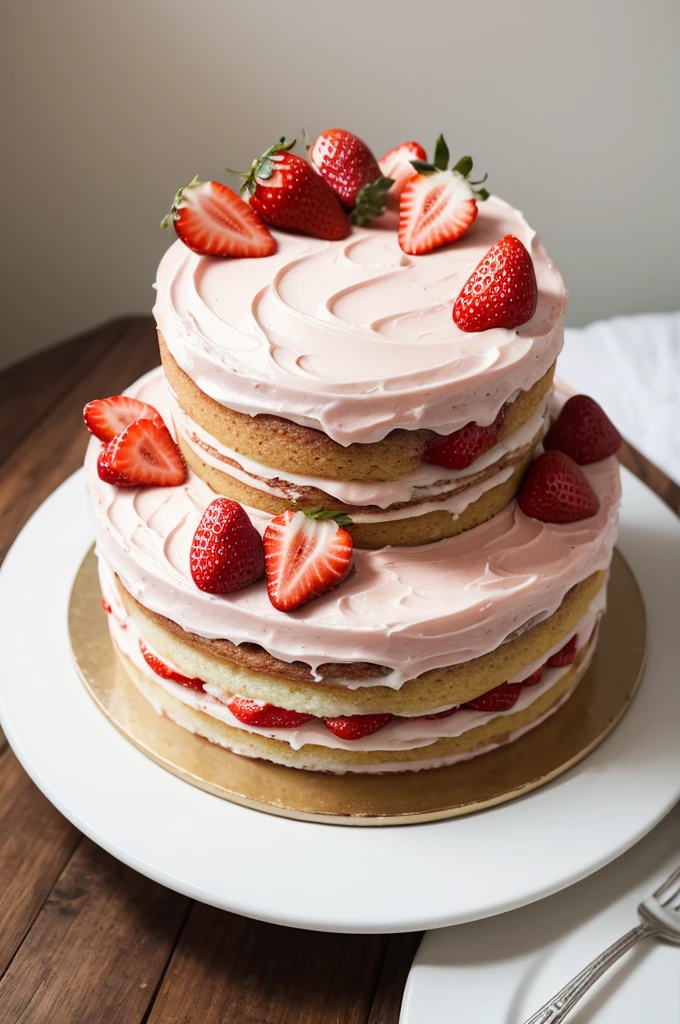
[463, 447]
[354, 727]
[165, 672]
[265, 716]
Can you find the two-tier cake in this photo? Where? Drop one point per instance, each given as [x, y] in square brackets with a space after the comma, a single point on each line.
[331, 530]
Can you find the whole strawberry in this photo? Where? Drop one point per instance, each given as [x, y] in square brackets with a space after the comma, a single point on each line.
[438, 205]
[556, 490]
[226, 551]
[351, 170]
[286, 193]
[583, 431]
[501, 291]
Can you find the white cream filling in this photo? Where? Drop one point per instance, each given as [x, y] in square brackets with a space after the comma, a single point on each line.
[425, 481]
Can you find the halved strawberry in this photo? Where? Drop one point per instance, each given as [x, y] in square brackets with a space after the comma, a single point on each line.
[439, 714]
[500, 292]
[165, 672]
[565, 655]
[106, 417]
[438, 205]
[463, 447]
[226, 551]
[501, 698]
[535, 677]
[353, 727]
[143, 454]
[284, 190]
[583, 431]
[396, 164]
[305, 556]
[556, 490]
[213, 221]
[348, 166]
[265, 716]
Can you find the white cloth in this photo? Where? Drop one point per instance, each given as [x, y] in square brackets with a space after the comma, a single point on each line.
[631, 366]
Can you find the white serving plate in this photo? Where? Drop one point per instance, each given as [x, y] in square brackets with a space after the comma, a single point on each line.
[500, 971]
[321, 876]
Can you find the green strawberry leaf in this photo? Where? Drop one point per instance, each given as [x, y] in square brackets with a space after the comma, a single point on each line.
[319, 512]
[371, 200]
[441, 154]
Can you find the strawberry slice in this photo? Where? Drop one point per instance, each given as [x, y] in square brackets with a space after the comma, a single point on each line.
[350, 169]
[500, 292]
[265, 716]
[396, 164]
[583, 431]
[463, 447]
[165, 672]
[437, 205]
[213, 221]
[565, 655]
[501, 698]
[142, 455]
[106, 417]
[353, 727]
[556, 490]
[306, 554]
[438, 715]
[226, 551]
[535, 677]
[286, 193]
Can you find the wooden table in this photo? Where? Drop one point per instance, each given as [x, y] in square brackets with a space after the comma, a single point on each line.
[83, 939]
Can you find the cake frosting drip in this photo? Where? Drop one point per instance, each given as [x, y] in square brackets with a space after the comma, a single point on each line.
[409, 609]
[425, 482]
[356, 338]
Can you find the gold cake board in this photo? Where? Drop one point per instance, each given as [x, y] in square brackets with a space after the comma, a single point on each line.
[596, 706]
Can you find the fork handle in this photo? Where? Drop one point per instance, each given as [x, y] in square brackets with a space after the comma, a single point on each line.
[557, 1008]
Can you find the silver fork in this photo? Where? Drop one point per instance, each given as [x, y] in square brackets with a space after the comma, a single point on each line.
[660, 919]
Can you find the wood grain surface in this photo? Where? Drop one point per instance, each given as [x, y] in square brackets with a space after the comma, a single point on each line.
[84, 939]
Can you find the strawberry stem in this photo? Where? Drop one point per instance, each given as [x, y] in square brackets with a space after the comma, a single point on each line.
[371, 200]
[441, 163]
[262, 167]
[172, 215]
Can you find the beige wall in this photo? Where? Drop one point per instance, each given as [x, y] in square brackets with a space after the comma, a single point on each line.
[571, 107]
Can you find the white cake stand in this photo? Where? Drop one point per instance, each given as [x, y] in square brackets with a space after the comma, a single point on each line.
[321, 876]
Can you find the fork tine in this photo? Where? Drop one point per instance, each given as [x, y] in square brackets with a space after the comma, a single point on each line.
[672, 883]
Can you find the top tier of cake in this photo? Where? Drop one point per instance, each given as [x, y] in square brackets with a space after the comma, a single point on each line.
[356, 338]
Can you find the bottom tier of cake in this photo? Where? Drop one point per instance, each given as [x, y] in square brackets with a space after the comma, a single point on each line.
[400, 743]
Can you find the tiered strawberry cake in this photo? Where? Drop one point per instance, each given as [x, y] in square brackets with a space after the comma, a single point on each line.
[349, 526]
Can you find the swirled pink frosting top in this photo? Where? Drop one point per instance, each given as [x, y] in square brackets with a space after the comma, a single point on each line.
[356, 338]
[410, 609]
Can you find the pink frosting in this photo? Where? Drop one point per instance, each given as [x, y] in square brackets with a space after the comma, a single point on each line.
[410, 609]
[355, 337]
